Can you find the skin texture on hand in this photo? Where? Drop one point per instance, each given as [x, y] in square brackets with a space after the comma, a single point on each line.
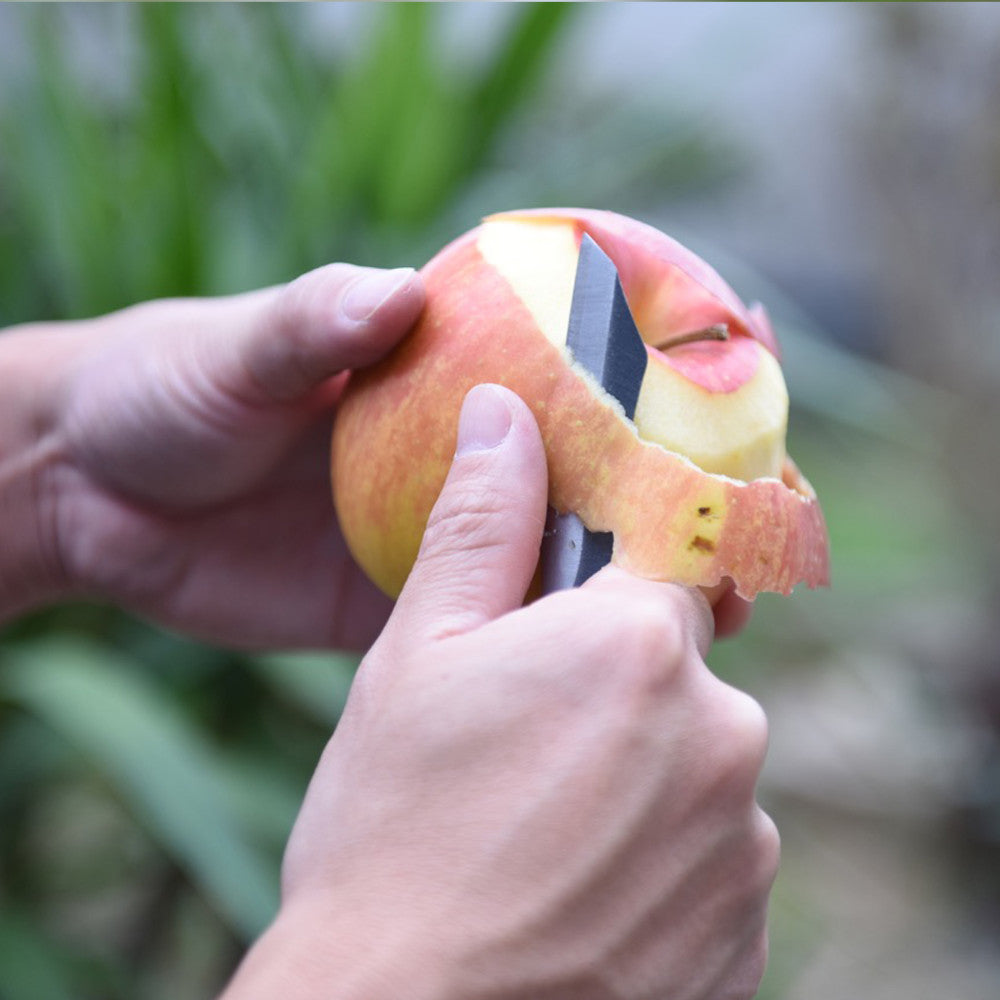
[29, 564]
[186, 476]
[537, 802]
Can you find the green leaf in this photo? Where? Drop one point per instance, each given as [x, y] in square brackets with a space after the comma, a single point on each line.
[36, 965]
[265, 794]
[33, 967]
[162, 768]
[173, 152]
[518, 66]
[316, 683]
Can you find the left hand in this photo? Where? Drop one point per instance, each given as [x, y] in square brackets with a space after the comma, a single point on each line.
[192, 482]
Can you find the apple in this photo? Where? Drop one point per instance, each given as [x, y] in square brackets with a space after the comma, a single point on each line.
[697, 489]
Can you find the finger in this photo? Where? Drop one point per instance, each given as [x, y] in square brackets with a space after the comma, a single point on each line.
[336, 317]
[732, 613]
[685, 605]
[481, 544]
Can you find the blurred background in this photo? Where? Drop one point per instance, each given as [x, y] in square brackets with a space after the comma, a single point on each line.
[841, 163]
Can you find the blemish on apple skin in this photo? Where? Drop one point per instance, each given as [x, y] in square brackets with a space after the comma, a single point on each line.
[702, 544]
[704, 511]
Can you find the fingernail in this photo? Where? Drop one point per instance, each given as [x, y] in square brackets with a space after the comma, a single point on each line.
[484, 421]
[370, 292]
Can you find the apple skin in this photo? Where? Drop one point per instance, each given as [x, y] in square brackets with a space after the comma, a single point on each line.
[394, 436]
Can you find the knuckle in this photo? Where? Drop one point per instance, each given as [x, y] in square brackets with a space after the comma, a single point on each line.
[739, 734]
[744, 983]
[766, 846]
[648, 633]
[649, 644]
[749, 960]
[754, 849]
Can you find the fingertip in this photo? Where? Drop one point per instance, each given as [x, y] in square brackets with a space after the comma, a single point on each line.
[377, 297]
[333, 318]
[485, 419]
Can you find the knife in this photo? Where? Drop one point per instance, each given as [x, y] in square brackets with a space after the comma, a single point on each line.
[602, 338]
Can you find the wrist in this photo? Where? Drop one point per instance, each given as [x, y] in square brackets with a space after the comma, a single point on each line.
[321, 949]
[32, 360]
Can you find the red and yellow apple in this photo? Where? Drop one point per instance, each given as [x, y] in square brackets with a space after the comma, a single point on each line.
[697, 489]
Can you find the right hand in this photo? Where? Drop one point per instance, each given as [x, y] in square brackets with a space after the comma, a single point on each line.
[537, 802]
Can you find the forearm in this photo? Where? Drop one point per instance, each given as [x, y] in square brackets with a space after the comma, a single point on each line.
[32, 365]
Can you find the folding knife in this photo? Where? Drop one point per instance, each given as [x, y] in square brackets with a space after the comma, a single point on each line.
[603, 339]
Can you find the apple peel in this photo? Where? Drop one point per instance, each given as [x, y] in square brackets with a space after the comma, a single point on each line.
[395, 432]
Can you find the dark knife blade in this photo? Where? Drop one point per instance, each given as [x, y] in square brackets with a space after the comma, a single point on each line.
[603, 339]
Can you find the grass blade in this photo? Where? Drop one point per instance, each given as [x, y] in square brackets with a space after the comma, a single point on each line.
[33, 967]
[316, 683]
[517, 68]
[159, 764]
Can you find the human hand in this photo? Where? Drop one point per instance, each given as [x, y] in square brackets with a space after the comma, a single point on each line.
[191, 481]
[536, 802]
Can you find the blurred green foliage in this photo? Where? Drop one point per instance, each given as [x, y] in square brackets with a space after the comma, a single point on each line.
[225, 149]
[148, 783]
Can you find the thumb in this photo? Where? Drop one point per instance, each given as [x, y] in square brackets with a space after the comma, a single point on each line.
[481, 544]
[335, 317]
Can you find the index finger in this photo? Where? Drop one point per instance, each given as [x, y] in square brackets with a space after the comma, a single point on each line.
[687, 604]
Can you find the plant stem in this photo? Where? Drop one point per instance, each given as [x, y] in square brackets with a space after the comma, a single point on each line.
[717, 332]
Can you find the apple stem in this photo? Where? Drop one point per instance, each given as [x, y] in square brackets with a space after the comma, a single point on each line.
[717, 332]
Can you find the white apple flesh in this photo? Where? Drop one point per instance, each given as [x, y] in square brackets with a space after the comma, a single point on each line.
[722, 404]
